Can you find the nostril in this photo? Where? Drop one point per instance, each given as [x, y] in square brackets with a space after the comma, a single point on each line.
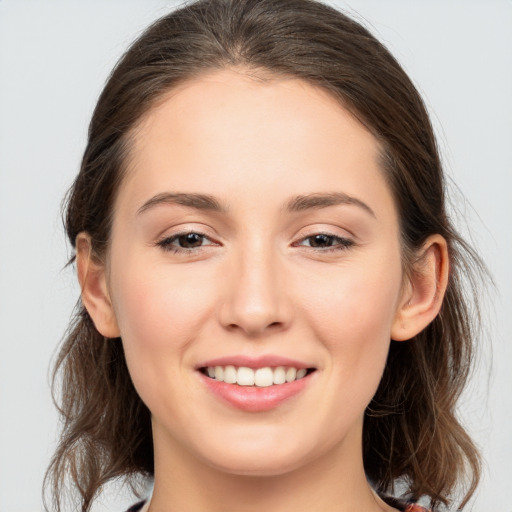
[254, 328]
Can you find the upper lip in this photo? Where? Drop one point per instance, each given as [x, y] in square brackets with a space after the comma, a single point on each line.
[255, 362]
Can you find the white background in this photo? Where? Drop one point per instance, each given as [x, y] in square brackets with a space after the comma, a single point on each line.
[54, 59]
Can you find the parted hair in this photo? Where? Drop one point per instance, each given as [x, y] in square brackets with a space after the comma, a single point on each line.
[412, 439]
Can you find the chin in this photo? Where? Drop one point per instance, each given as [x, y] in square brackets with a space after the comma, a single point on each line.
[257, 468]
[258, 461]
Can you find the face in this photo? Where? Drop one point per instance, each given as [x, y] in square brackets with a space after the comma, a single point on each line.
[254, 240]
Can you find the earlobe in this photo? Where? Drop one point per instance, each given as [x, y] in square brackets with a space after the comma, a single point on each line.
[93, 283]
[424, 292]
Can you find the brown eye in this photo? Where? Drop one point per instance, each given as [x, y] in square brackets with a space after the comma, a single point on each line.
[190, 240]
[325, 242]
[321, 241]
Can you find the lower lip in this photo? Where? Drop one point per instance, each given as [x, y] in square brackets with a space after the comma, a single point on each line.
[253, 398]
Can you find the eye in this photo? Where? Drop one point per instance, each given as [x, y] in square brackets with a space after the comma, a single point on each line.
[185, 242]
[325, 242]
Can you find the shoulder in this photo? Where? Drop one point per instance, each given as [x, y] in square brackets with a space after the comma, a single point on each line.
[405, 507]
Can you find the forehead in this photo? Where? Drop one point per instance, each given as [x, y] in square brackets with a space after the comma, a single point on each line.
[230, 134]
[234, 105]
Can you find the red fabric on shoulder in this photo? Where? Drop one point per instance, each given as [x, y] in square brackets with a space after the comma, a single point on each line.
[415, 508]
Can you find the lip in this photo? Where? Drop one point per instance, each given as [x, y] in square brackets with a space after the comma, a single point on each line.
[255, 362]
[253, 398]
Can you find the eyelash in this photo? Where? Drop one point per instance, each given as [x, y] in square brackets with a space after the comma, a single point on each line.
[166, 243]
[341, 242]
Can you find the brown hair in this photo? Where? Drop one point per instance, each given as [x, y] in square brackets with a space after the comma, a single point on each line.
[411, 433]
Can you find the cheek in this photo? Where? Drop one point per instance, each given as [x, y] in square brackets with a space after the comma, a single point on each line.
[158, 311]
[354, 323]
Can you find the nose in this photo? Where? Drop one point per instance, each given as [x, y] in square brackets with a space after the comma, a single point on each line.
[256, 301]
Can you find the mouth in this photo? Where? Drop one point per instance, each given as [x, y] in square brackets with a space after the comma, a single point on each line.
[263, 377]
[253, 385]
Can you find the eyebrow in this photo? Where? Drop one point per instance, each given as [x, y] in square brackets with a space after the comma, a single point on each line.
[192, 200]
[317, 201]
[206, 202]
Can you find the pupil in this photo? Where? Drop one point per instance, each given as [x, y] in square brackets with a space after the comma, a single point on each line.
[321, 241]
[190, 240]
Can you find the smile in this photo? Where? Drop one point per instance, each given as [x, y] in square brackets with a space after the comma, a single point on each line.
[252, 387]
[257, 377]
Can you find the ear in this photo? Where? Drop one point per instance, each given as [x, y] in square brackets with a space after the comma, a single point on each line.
[424, 290]
[93, 282]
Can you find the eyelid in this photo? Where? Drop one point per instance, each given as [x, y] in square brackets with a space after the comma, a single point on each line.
[330, 235]
[165, 242]
[341, 242]
[177, 234]
[184, 227]
[316, 229]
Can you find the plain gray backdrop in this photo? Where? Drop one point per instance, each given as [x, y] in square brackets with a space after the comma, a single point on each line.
[54, 59]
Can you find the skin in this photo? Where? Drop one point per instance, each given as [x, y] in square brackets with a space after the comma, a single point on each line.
[257, 286]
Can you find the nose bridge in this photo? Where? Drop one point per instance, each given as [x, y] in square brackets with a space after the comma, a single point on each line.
[255, 296]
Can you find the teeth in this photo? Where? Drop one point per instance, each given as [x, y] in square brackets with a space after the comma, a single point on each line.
[230, 374]
[219, 373]
[301, 373]
[264, 377]
[245, 376]
[279, 375]
[291, 373]
[261, 377]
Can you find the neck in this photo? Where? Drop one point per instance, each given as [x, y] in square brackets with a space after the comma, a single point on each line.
[335, 482]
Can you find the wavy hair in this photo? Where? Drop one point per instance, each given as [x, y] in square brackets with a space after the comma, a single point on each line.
[411, 432]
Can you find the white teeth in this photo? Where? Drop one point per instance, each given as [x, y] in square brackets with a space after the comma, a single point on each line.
[261, 377]
[219, 373]
[301, 373]
[245, 376]
[279, 375]
[230, 374]
[291, 373]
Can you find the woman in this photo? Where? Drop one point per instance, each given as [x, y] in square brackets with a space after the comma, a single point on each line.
[272, 313]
